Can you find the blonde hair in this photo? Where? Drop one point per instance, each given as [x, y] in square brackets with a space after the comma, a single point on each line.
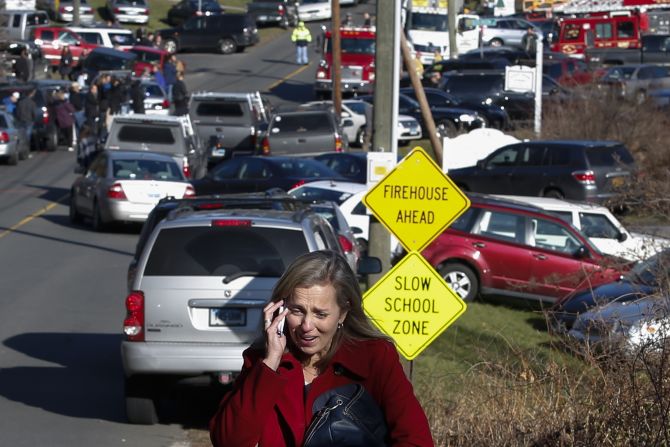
[329, 267]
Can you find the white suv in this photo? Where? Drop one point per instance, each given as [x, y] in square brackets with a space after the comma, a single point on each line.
[197, 295]
[601, 227]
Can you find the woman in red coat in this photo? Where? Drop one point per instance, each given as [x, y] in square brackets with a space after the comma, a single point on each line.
[327, 342]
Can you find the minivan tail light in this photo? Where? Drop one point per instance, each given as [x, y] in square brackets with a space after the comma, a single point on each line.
[116, 192]
[133, 324]
[189, 192]
[346, 244]
[280, 8]
[231, 223]
[166, 104]
[585, 177]
[265, 146]
[45, 115]
[186, 168]
[4, 137]
[338, 143]
[299, 183]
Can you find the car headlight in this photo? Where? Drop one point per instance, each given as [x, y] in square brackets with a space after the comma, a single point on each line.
[488, 101]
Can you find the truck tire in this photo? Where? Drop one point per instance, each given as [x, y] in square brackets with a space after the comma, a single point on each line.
[227, 46]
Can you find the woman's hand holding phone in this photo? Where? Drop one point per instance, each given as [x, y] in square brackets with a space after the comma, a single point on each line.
[274, 316]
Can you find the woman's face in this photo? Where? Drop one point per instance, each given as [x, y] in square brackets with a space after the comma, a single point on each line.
[312, 319]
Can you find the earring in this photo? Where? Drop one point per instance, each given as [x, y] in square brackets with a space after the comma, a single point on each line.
[340, 325]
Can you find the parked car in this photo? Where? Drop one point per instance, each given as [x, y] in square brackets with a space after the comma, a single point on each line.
[645, 278]
[345, 234]
[594, 171]
[12, 50]
[124, 186]
[51, 39]
[306, 132]
[102, 35]
[45, 134]
[625, 327]
[274, 12]
[185, 9]
[601, 227]
[634, 82]
[63, 10]
[351, 165]
[172, 135]
[499, 31]
[504, 248]
[129, 11]
[197, 297]
[225, 33]
[309, 10]
[156, 100]
[229, 124]
[16, 24]
[570, 72]
[147, 57]
[260, 173]
[493, 115]
[14, 144]
[104, 59]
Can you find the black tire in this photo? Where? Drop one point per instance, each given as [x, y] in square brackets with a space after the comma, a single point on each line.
[554, 193]
[141, 401]
[360, 137]
[170, 45]
[13, 159]
[461, 279]
[24, 152]
[496, 42]
[51, 140]
[227, 46]
[75, 217]
[447, 128]
[97, 222]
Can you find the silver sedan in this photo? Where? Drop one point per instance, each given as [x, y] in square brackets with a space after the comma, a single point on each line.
[124, 186]
[13, 142]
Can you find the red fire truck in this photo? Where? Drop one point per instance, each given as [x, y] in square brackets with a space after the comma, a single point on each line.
[600, 30]
[357, 62]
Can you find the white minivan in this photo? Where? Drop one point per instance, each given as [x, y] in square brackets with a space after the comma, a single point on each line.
[119, 38]
[601, 227]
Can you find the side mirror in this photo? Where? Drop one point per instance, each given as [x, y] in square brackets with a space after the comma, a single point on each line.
[581, 252]
[622, 236]
[369, 265]
[481, 164]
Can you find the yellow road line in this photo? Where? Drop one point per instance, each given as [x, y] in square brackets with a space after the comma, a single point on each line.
[33, 216]
[287, 77]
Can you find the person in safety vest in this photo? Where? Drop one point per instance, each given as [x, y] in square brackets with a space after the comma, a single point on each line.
[301, 37]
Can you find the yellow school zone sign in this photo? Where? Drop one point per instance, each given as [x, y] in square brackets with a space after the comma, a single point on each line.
[412, 304]
[416, 201]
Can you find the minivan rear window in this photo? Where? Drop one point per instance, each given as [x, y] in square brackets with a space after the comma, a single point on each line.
[146, 134]
[207, 251]
[608, 156]
[219, 109]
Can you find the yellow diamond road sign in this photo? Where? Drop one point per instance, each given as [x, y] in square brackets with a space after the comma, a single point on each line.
[412, 304]
[416, 201]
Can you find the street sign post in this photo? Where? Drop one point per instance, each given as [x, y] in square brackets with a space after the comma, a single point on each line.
[412, 304]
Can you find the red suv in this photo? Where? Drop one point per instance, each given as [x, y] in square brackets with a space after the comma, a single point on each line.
[51, 40]
[502, 247]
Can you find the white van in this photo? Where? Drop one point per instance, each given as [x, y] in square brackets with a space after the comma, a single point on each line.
[601, 227]
[119, 38]
[17, 23]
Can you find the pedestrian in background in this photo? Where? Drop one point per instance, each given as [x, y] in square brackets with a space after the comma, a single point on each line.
[22, 67]
[77, 100]
[348, 20]
[64, 118]
[180, 96]
[26, 113]
[66, 61]
[10, 102]
[170, 74]
[301, 37]
[367, 20]
[92, 109]
[137, 95]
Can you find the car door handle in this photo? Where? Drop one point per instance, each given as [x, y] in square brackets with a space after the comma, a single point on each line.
[539, 256]
[479, 244]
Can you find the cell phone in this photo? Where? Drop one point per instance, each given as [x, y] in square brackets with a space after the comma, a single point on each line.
[280, 326]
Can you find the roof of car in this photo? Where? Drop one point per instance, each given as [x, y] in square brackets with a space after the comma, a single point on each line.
[124, 154]
[287, 218]
[150, 118]
[149, 49]
[113, 52]
[349, 187]
[554, 204]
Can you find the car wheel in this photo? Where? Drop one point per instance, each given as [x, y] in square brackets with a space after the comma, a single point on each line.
[75, 217]
[98, 223]
[360, 137]
[496, 42]
[461, 279]
[140, 395]
[640, 97]
[447, 128]
[51, 143]
[170, 46]
[227, 46]
[554, 193]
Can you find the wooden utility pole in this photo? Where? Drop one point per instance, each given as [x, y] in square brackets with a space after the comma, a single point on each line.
[75, 12]
[421, 98]
[336, 69]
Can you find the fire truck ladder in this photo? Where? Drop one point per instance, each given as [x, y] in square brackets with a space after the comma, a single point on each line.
[585, 6]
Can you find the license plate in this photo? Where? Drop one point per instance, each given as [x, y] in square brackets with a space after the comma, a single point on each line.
[227, 316]
[219, 152]
[262, 17]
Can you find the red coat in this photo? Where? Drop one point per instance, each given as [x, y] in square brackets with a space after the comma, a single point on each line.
[268, 408]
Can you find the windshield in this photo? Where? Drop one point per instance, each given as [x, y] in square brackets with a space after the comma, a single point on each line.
[619, 73]
[429, 22]
[651, 270]
[354, 46]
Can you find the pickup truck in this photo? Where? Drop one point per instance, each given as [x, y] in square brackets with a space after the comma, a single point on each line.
[278, 12]
[655, 49]
[228, 124]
